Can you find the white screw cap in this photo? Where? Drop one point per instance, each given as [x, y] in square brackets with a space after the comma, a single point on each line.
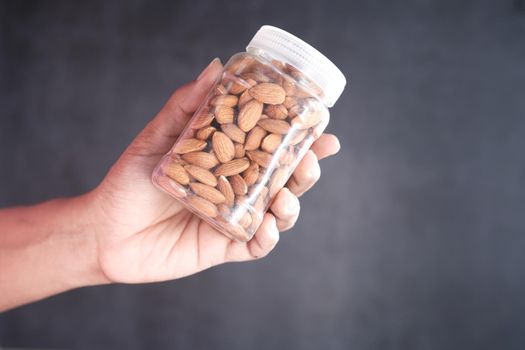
[289, 48]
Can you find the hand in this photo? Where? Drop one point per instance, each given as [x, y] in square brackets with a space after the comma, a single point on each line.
[143, 235]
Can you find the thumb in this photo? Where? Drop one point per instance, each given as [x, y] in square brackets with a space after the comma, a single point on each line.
[160, 134]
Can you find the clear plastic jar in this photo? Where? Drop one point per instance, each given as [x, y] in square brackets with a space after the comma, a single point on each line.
[244, 142]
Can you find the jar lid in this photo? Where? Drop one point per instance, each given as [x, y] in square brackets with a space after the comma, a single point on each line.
[302, 56]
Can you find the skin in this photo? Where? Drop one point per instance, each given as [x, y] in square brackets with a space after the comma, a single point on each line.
[126, 230]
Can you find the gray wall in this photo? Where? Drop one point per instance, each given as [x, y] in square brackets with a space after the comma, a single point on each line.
[413, 239]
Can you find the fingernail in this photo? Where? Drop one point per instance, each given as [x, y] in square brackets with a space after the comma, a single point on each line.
[203, 73]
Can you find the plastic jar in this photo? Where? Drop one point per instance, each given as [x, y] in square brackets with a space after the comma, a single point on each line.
[256, 124]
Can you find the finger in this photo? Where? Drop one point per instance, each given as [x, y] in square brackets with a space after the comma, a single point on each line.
[286, 209]
[159, 135]
[305, 175]
[259, 246]
[327, 145]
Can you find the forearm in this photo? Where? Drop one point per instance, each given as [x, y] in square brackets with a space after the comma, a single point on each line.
[46, 249]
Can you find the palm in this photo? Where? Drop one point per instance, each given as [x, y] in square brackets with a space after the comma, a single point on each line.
[148, 236]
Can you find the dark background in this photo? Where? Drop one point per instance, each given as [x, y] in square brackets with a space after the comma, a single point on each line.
[413, 239]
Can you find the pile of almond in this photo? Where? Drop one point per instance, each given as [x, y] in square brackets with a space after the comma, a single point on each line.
[241, 147]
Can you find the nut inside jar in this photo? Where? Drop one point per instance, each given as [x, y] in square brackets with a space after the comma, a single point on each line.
[242, 145]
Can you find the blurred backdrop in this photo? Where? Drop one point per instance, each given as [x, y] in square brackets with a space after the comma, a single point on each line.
[414, 237]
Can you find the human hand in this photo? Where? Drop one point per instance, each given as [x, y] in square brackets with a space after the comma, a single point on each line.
[144, 235]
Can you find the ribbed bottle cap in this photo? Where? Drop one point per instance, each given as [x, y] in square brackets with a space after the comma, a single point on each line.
[289, 48]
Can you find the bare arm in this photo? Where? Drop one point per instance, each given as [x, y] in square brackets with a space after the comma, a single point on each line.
[126, 230]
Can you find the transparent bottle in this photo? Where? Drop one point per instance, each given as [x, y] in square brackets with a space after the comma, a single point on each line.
[256, 124]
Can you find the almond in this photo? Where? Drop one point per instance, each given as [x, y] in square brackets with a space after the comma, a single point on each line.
[279, 178]
[203, 159]
[287, 157]
[204, 133]
[308, 118]
[201, 120]
[276, 111]
[298, 137]
[239, 150]
[249, 114]
[224, 210]
[245, 97]
[202, 175]
[226, 189]
[207, 192]
[220, 90]
[236, 88]
[268, 93]
[189, 145]
[222, 147]
[275, 126]
[257, 76]
[232, 167]
[289, 102]
[224, 114]
[271, 142]
[251, 174]
[224, 100]
[203, 206]
[238, 184]
[176, 172]
[261, 200]
[234, 132]
[289, 86]
[262, 158]
[254, 138]
[246, 220]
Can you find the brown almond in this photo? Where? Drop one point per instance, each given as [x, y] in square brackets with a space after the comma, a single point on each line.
[279, 178]
[233, 167]
[261, 200]
[203, 159]
[268, 93]
[239, 185]
[226, 189]
[245, 97]
[202, 175]
[224, 114]
[207, 192]
[176, 172]
[287, 157]
[236, 88]
[220, 90]
[271, 142]
[249, 114]
[274, 126]
[298, 137]
[262, 158]
[201, 120]
[251, 174]
[234, 132]
[289, 102]
[241, 64]
[288, 86]
[246, 220]
[222, 147]
[224, 210]
[254, 138]
[239, 150]
[189, 145]
[203, 206]
[276, 111]
[204, 133]
[224, 100]
[257, 76]
[308, 119]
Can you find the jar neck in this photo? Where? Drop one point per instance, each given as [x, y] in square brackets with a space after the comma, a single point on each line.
[280, 63]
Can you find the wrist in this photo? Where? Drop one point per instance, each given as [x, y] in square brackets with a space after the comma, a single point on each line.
[80, 242]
